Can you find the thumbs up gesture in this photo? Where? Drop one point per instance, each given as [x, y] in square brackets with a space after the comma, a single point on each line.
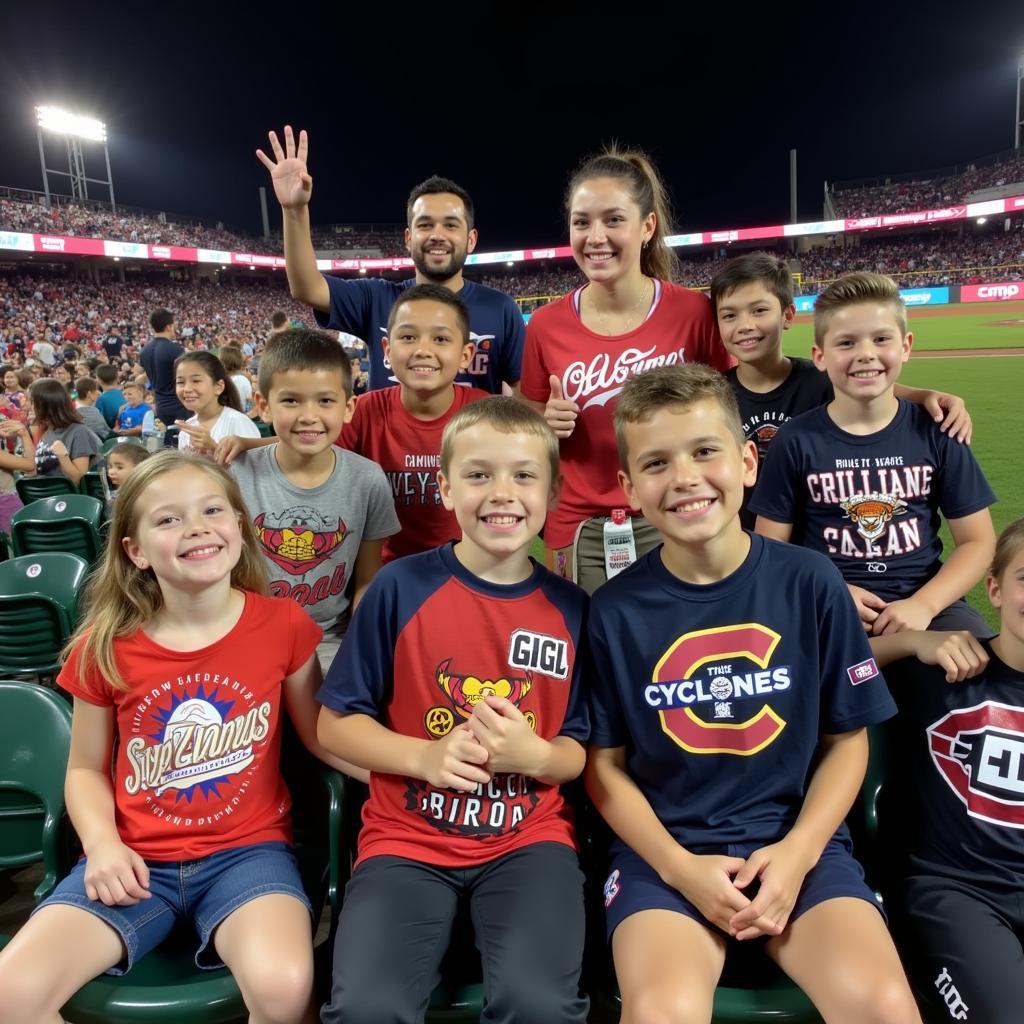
[559, 412]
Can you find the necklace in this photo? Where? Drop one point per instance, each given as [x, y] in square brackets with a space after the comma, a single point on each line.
[629, 320]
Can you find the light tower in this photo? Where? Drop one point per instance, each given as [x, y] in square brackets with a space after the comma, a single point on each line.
[1019, 122]
[75, 130]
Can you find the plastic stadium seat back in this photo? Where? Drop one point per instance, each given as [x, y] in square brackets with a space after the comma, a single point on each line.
[38, 609]
[35, 737]
[113, 442]
[68, 523]
[92, 485]
[32, 488]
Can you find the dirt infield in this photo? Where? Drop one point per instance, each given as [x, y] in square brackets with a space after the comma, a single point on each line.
[965, 353]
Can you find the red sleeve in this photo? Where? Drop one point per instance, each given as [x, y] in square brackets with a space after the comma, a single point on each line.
[305, 634]
[90, 687]
[534, 383]
[350, 432]
[713, 350]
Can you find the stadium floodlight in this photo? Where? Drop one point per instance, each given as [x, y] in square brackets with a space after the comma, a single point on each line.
[74, 129]
[62, 122]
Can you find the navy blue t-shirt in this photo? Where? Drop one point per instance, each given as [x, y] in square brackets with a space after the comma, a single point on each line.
[871, 502]
[762, 413]
[361, 307]
[719, 693]
[964, 750]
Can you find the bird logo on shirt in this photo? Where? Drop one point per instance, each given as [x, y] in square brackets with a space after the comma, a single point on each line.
[466, 691]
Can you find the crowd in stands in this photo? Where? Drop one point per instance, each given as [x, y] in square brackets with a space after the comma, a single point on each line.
[92, 221]
[940, 258]
[926, 194]
[58, 308]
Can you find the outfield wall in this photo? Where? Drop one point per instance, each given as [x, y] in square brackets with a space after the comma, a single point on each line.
[1001, 291]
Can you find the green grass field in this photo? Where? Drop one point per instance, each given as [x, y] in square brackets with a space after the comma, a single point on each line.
[983, 327]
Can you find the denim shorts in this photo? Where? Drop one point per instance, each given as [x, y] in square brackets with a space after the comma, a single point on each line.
[634, 885]
[203, 892]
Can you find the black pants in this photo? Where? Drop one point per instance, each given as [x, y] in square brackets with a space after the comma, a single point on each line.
[963, 951]
[396, 923]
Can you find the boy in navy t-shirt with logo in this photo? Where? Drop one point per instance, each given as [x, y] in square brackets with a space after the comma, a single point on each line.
[864, 478]
[458, 688]
[729, 732]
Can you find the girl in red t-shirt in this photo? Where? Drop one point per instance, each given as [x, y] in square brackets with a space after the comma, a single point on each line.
[581, 349]
[185, 660]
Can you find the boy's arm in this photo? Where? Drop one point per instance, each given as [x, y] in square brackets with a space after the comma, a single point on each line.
[782, 866]
[957, 652]
[293, 187]
[773, 530]
[950, 411]
[368, 563]
[299, 690]
[455, 762]
[513, 747]
[705, 880]
[975, 541]
[229, 448]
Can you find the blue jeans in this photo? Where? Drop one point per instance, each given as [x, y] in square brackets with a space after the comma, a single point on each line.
[203, 891]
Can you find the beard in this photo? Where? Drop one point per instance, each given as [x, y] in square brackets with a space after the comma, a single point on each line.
[456, 261]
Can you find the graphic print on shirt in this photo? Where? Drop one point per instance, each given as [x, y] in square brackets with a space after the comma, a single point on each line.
[416, 484]
[493, 807]
[298, 540]
[193, 741]
[703, 674]
[464, 692]
[603, 379]
[979, 751]
[871, 498]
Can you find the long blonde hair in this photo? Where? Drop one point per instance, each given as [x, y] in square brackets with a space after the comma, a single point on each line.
[121, 598]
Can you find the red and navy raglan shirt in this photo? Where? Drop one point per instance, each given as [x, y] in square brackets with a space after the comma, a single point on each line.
[428, 642]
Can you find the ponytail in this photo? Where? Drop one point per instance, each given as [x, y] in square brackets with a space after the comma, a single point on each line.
[645, 187]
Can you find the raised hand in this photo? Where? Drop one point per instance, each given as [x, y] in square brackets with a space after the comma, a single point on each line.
[292, 183]
[560, 412]
[200, 439]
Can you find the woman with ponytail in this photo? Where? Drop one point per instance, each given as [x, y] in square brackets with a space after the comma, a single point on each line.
[580, 350]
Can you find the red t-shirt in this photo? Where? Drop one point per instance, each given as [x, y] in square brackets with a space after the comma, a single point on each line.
[593, 368]
[409, 452]
[199, 733]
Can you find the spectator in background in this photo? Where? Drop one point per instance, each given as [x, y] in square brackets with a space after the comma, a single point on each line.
[158, 357]
[88, 391]
[113, 344]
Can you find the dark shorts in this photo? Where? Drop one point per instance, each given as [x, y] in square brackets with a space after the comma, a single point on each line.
[960, 615]
[203, 891]
[633, 885]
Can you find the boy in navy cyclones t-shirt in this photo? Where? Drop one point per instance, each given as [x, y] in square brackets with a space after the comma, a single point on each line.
[732, 687]
[458, 688]
[439, 236]
[864, 478]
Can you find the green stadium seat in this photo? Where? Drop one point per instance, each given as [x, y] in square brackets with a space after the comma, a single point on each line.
[265, 429]
[165, 987]
[5, 546]
[32, 488]
[113, 442]
[92, 485]
[67, 523]
[38, 610]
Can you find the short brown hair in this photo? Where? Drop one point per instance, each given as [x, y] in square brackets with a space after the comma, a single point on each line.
[85, 386]
[300, 348]
[506, 415]
[754, 268]
[852, 289]
[1011, 540]
[432, 293]
[667, 387]
[130, 450]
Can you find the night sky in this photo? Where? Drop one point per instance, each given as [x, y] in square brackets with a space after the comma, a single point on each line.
[506, 98]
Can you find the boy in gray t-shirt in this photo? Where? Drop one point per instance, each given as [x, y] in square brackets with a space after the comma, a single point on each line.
[321, 512]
